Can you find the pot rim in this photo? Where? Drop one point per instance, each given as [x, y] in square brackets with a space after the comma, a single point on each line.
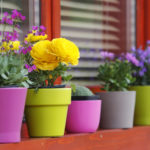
[139, 86]
[13, 88]
[49, 88]
[49, 96]
[85, 98]
[117, 92]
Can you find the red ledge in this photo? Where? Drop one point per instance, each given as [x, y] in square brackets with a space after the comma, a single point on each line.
[137, 138]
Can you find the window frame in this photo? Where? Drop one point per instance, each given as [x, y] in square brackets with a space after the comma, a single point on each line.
[50, 17]
[142, 23]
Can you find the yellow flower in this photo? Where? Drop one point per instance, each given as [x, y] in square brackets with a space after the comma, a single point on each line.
[14, 45]
[4, 47]
[31, 37]
[42, 58]
[47, 54]
[65, 50]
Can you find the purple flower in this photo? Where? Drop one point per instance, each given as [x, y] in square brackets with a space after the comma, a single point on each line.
[22, 17]
[35, 28]
[23, 50]
[141, 64]
[15, 14]
[26, 66]
[107, 55]
[25, 42]
[15, 35]
[9, 21]
[2, 48]
[148, 61]
[18, 15]
[17, 26]
[148, 42]
[34, 67]
[6, 20]
[139, 51]
[11, 46]
[29, 49]
[142, 71]
[30, 68]
[133, 49]
[43, 28]
[132, 59]
[6, 14]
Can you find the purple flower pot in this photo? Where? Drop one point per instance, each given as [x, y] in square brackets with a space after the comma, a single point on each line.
[83, 116]
[12, 102]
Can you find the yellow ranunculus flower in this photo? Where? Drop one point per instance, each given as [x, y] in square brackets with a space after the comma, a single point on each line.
[65, 50]
[34, 38]
[48, 54]
[45, 65]
[42, 58]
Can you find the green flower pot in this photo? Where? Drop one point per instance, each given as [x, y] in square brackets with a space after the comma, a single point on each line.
[142, 107]
[46, 111]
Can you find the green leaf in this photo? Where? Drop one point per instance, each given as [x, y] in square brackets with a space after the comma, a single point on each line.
[4, 76]
[73, 87]
[25, 84]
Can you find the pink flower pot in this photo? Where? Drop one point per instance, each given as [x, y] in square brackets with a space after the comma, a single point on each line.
[83, 116]
[12, 102]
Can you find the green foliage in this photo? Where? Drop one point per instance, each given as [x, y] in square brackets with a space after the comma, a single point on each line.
[12, 71]
[47, 78]
[116, 75]
[81, 91]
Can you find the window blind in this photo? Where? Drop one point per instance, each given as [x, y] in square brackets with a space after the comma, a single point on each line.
[94, 25]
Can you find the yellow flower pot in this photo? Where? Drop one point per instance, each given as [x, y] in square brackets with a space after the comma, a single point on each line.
[142, 107]
[46, 111]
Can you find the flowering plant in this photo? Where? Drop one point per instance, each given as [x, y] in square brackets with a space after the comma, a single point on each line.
[140, 62]
[47, 60]
[115, 74]
[12, 72]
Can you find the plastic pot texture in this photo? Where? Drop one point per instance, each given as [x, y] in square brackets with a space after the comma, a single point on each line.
[142, 107]
[12, 102]
[117, 109]
[83, 115]
[46, 111]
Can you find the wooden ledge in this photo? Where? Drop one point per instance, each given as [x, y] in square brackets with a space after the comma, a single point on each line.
[137, 138]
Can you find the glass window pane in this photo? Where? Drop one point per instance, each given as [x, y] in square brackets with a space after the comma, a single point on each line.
[96, 25]
[29, 8]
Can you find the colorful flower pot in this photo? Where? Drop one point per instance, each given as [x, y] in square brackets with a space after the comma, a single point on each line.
[83, 116]
[117, 109]
[142, 107]
[46, 111]
[12, 102]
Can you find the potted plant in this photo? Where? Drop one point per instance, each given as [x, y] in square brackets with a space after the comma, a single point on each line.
[141, 67]
[47, 103]
[84, 111]
[13, 80]
[117, 102]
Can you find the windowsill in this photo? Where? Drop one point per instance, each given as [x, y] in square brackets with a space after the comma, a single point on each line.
[117, 139]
